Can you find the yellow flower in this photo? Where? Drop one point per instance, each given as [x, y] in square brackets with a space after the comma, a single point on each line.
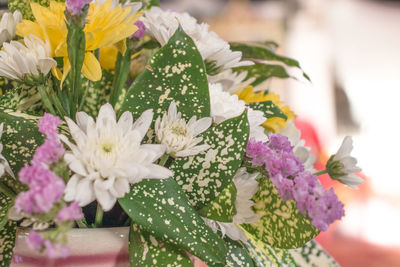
[272, 124]
[106, 26]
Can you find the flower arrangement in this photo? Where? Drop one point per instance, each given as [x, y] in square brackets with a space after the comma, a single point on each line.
[123, 114]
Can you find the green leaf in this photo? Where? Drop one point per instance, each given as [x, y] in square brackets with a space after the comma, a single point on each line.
[312, 254]
[146, 250]
[5, 205]
[7, 243]
[25, 7]
[176, 72]
[222, 208]
[262, 72]
[20, 138]
[281, 224]
[237, 254]
[162, 209]
[264, 51]
[23, 99]
[269, 108]
[205, 175]
[147, 4]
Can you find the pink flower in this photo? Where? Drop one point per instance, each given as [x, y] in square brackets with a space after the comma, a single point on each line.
[75, 7]
[71, 212]
[141, 30]
[56, 250]
[34, 241]
[48, 125]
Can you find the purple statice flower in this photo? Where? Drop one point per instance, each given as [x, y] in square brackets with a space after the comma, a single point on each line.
[34, 241]
[75, 7]
[287, 174]
[71, 212]
[48, 125]
[49, 152]
[141, 30]
[56, 250]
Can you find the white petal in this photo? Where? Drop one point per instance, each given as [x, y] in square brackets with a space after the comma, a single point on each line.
[345, 149]
[143, 123]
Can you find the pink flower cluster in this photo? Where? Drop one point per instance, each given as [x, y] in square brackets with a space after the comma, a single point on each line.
[54, 250]
[293, 182]
[75, 7]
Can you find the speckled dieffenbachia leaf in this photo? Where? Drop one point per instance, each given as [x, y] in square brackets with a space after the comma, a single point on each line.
[264, 52]
[20, 138]
[312, 254]
[281, 224]
[205, 175]
[238, 254]
[262, 72]
[222, 208]
[176, 72]
[145, 250]
[7, 242]
[5, 204]
[162, 209]
[23, 99]
[269, 108]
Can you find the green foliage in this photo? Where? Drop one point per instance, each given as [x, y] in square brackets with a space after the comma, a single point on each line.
[20, 138]
[222, 208]
[312, 254]
[262, 72]
[5, 205]
[281, 224]
[269, 108]
[7, 242]
[176, 72]
[147, 4]
[25, 7]
[205, 175]
[237, 254]
[145, 250]
[161, 208]
[22, 99]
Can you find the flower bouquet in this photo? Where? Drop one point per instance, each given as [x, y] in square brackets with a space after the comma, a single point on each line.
[123, 114]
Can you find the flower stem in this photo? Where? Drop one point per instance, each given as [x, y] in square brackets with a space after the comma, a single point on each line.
[6, 191]
[45, 98]
[99, 216]
[163, 160]
[81, 223]
[321, 172]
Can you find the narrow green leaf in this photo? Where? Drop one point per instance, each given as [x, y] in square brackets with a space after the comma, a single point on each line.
[162, 209]
[205, 175]
[281, 224]
[176, 72]
[262, 72]
[222, 208]
[269, 108]
[20, 138]
[7, 243]
[146, 250]
[312, 254]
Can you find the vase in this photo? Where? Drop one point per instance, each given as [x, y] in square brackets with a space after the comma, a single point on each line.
[99, 247]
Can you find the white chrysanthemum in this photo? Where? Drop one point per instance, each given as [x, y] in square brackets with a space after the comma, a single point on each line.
[301, 151]
[4, 166]
[163, 24]
[8, 26]
[226, 106]
[231, 81]
[18, 60]
[342, 165]
[246, 186]
[179, 137]
[107, 156]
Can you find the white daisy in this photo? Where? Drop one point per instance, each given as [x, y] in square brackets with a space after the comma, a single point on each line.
[246, 186]
[231, 81]
[18, 60]
[301, 151]
[226, 106]
[162, 25]
[4, 166]
[179, 137]
[8, 25]
[107, 156]
[342, 165]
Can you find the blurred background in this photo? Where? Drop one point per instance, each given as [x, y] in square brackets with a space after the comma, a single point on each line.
[351, 51]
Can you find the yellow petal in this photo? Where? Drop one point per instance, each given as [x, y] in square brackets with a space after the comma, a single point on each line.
[108, 57]
[91, 67]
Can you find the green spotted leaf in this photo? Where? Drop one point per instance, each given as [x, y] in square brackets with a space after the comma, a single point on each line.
[5, 204]
[145, 250]
[264, 52]
[22, 99]
[262, 72]
[281, 224]
[222, 208]
[162, 209]
[269, 108]
[205, 175]
[312, 254]
[7, 242]
[20, 138]
[237, 254]
[176, 72]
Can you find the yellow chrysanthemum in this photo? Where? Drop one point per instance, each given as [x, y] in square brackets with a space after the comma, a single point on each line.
[106, 26]
[272, 124]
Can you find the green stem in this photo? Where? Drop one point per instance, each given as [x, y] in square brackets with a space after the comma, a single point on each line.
[321, 172]
[163, 159]
[81, 223]
[99, 216]
[7, 191]
[45, 99]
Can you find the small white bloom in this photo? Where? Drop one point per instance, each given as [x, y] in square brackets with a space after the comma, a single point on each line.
[301, 151]
[4, 166]
[163, 24]
[18, 60]
[342, 166]
[108, 155]
[8, 26]
[226, 106]
[246, 186]
[179, 137]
